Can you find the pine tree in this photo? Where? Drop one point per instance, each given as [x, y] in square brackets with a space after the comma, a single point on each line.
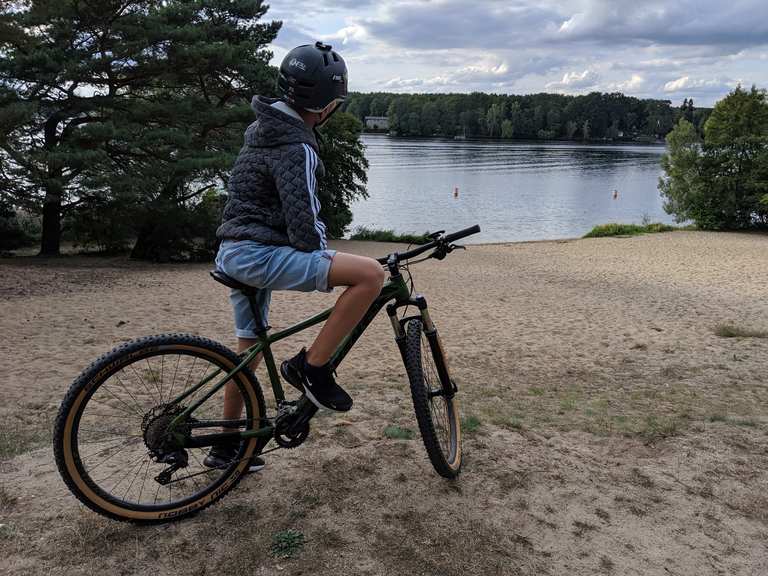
[141, 100]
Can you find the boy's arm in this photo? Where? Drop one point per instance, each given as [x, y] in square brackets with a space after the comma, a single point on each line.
[297, 186]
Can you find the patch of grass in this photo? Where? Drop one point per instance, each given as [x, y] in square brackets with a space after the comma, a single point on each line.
[470, 424]
[732, 331]
[615, 229]
[567, 404]
[659, 428]
[287, 543]
[510, 422]
[370, 234]
[7, 500]
[398, 433]
[19, 437]
[725, 419]
[7, 532]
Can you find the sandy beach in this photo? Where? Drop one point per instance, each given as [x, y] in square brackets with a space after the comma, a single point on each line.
[618, 432]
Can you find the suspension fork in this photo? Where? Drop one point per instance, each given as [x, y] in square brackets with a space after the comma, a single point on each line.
[398, 326]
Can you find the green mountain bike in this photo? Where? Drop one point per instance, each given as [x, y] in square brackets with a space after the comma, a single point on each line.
[134, 428]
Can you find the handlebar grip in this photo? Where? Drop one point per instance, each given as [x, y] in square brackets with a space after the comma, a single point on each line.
[462, 233]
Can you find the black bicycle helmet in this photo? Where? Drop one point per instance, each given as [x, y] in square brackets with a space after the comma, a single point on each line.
[312, 76]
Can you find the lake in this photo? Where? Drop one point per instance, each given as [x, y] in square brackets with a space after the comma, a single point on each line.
[515, 191]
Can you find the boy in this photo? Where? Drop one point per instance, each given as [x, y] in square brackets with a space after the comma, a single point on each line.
[272, 235]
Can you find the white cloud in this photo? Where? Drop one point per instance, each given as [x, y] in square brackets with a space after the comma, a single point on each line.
[496, 74]
[635, 84]
[688, 84]
[575, 81]
[347, 35]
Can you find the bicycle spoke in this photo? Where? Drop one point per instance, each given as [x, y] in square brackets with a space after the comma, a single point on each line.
[151, 394]
[173, 381]
[138, 404]
[154, 380]
[124, 476]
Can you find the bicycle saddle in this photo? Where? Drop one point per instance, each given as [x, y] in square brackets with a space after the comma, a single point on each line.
[219, 276]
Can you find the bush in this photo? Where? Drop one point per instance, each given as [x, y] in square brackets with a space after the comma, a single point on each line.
[17, 230]
[100, 223]
[615, 229]
[369, 234]
[168, 231]
[721, 182]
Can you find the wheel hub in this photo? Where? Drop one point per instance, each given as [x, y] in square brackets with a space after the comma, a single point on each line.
[160, 440]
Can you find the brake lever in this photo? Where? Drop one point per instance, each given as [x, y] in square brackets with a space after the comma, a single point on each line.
[456, 246]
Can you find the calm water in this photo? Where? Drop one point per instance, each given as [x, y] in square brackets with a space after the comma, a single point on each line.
[515, 191]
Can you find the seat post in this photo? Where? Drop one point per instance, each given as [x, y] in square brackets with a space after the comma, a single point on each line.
[261, 329]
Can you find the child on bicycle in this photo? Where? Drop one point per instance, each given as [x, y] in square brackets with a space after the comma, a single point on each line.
[273, 237]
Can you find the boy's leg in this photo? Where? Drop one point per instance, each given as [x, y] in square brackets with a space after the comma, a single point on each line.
[233, 399]
[364, 278]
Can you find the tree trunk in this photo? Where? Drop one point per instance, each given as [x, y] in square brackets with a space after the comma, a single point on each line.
[51, 237]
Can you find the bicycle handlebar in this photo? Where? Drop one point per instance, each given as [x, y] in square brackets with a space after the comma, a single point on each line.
[442, 240]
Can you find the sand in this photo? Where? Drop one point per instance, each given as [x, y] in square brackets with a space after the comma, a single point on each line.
[618, 433]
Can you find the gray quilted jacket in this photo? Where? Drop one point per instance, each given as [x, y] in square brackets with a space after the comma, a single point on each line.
[273, 184]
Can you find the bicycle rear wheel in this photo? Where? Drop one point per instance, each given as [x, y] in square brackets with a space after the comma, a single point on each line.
[433, 399]
[112, 442]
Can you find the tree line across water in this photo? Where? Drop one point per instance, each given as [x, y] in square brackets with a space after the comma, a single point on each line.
[594, 116]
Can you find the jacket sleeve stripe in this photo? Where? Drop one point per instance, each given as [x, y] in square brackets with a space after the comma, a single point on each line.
[311, 165]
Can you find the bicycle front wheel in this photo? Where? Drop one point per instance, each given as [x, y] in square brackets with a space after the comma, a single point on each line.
[434, 399]
[114, 441]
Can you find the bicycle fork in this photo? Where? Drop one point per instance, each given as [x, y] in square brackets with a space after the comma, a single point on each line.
[398, 325]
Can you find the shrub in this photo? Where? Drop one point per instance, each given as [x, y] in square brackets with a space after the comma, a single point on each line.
[369, 234]
[615, 229]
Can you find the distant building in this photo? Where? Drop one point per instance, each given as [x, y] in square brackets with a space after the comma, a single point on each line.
[377, 122]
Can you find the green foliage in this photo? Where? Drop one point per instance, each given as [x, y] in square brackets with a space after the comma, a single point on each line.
[398, 433]
[345, 164]
[615, 229]
[721, 182]
[287, 543]
[141, 100]
[470, 424]
[369, 234]
[102, 223]
[543, 116]
[172, 231]
[733, 331]
[15, 231]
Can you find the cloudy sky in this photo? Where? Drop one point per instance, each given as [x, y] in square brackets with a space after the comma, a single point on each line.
[646, 48]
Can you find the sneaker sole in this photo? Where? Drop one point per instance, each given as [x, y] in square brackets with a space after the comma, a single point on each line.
[320, 405]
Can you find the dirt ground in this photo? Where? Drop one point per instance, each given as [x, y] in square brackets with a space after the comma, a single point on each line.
[612, 427]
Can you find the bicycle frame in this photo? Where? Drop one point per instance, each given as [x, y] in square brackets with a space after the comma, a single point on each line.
[395, 289]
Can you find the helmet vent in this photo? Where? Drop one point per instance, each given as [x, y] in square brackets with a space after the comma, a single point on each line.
[325, 59]
[335, 56]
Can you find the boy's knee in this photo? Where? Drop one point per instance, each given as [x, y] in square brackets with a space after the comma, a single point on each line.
[374, 274]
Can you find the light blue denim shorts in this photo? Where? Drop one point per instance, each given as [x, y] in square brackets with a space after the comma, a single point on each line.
[269, 268]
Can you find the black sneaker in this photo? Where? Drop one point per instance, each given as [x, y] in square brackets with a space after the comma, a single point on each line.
[221, 456]
[316, 382]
